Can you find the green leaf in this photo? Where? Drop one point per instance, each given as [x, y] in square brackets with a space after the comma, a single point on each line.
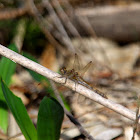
[3, 115]
[50, 119]
[20, 114]
[7, 69]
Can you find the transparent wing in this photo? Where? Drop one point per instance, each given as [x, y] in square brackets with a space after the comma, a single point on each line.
[76, 64]
[82, 72]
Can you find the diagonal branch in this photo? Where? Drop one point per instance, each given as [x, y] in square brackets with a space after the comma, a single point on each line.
[65, 38]
[45, 26]
[13, 13]
[70, 84]
[65, 19]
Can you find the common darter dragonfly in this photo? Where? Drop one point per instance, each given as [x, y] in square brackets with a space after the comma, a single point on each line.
[76, 74]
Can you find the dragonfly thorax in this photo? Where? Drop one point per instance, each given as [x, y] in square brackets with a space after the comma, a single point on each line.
[63, 70]
[72, 71]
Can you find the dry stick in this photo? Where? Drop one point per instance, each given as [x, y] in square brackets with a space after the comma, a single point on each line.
[20, 33]
[10, 13]
[65, 18]
[68, 7]
[44, 25]
[70, 84]
[67, 23]
[65, 38]
[136, 121]
[55, 18]
[13, 13]
[69, 115]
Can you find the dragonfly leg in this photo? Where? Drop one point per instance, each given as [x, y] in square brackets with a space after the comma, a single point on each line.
[60, 76]
[75, 86]
[65, 80]
[63, 77]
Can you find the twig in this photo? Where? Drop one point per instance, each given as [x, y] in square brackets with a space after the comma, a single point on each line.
[20, 32]
[65, 19]
[13, 13]
[136, 120]
[70, 84]
[68, 24]
[68, 7]
[44, 25]
[65, 38]
[69, 115]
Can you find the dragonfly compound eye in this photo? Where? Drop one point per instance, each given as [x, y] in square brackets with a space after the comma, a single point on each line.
[63, 70]
[76, 73]
[72, 70]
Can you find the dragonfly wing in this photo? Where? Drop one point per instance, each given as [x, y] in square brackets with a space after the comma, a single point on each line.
[82, 72]
[76, 64]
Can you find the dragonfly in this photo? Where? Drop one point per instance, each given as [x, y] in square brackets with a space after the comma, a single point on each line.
[76, 74]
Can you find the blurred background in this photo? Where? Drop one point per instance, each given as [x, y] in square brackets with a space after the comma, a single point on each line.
[106, 32]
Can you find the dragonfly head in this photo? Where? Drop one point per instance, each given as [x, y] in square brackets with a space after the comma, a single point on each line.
[76, 73]
[72, 71]
[63, 70]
